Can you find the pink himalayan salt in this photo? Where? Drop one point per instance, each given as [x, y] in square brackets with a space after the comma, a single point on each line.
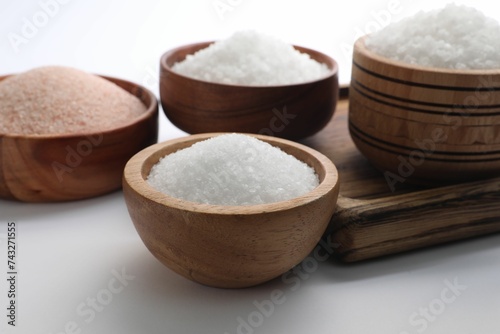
[62, 100]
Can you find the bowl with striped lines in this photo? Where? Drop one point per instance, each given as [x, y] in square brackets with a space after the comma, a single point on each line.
[424, 124]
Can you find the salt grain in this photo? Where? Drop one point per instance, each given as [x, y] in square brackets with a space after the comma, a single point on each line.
[252, 59]
[456, 37]
[232, 169]
[61, 100]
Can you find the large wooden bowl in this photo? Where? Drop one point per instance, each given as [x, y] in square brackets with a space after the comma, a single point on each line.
[49, 168]
[424, 124]
[229, 246]
[290, 111]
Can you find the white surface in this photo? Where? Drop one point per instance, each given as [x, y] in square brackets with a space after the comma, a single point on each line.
[70, 253]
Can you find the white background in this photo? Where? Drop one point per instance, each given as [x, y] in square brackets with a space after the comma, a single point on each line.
[68, 253]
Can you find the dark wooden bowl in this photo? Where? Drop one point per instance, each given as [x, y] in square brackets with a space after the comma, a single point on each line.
[290, 111]
[49, 168]
[425, 124]
[229, 246]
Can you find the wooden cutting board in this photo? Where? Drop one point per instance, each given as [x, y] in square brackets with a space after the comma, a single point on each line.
[373, 220]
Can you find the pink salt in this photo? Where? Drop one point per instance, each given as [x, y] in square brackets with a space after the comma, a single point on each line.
[63, 100]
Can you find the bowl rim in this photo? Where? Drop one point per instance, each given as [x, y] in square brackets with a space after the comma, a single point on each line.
[151, 110]
[133, 176]
[332, 71]
[360, 44]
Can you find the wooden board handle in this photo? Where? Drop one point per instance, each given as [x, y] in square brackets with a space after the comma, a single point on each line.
[364, 229]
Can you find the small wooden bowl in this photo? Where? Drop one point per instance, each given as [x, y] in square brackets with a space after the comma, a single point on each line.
[50, 168]
[425, 124]
[229, 246]
[290, 111]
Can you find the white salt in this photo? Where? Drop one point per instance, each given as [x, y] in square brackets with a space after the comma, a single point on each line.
[456, 37]
[232, 169]
[252, 59]
[62, 100]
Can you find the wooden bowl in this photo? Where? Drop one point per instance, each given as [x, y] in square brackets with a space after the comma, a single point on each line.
[229, 246]
[49, 168]
[425, 124]
[290, 111]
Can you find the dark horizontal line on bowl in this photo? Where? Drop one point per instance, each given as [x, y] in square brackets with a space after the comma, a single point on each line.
[356, 83]
[377, 143]
[432, 104]
[418, 84]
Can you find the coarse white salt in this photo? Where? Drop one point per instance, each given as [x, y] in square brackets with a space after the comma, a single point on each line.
[457, 37]
[63, 100]
[252, 59]
[232, 169]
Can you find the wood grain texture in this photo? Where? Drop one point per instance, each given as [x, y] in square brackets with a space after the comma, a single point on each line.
[48, 168]
[291, 111]
[229, 246]
[447, 121]
[372, 220]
